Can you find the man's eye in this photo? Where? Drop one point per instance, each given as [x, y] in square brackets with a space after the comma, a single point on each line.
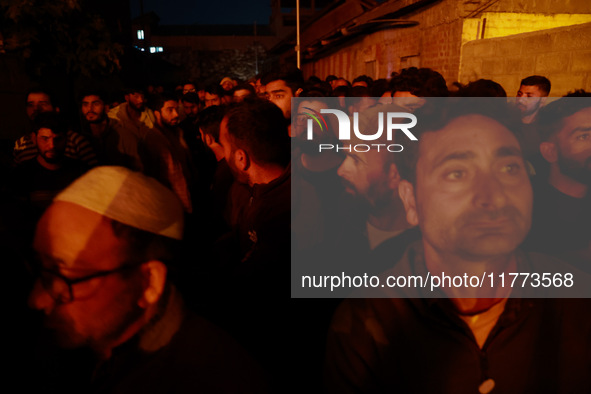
[512, 168]
[583, 137]
[455, 175]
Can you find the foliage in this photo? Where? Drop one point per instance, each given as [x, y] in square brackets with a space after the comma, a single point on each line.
[58, 34]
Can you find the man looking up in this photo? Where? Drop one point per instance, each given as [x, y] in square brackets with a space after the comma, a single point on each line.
[466, 186]
[103, 254]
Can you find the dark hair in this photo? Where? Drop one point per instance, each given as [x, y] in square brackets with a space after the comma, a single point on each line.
[437, 113]
[93, 92]
[293, 78]
[541, 82]
[135, 88]
[551, 116]
[42, 90]
[379, 87]
[258, 127]
[215, 89]
[331, 78]
[158, 101]
[52, 121]
[209, 119]
[190, 97]
[245, 86]
[363, 78]
[481, 88]
[421, 82]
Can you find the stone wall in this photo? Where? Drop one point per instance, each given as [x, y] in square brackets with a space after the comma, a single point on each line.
[563, 55]
[434, 43]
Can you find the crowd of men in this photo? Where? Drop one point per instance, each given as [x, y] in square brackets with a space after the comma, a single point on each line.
[159, 235]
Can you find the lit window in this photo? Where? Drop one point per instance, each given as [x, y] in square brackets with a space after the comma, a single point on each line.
[159, 49]
[140, 34]
[152, 49]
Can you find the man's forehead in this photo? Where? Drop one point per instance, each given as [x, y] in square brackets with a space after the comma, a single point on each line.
[170, 104]
[467, 133]
[579, 120]
[278, 85]
[91, 98]
[38, 97]
[532, 89]
[76, 238]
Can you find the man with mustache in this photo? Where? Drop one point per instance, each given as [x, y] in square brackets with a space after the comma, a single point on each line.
[133, 114]
[104, 253]
[38, 180]
[165, 153]
[113, 143]
[466, 186]
[562, 209]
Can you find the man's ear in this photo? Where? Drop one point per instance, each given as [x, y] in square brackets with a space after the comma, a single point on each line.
[548, 151]
[407, 195]
[393, 177]
[241, 160]
[298, 92]
[209, 140]
[158, 116]
[154, 280]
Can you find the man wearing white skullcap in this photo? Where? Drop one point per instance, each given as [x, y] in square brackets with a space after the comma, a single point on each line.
[103, 253]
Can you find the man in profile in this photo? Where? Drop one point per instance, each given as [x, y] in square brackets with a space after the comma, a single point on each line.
[103, 254]
[466, 186]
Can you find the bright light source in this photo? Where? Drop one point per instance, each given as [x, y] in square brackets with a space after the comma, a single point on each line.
[140, 34]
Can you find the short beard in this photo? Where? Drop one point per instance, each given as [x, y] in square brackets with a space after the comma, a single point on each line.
[575, 170]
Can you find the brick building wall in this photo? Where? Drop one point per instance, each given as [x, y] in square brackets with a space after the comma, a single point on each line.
[435, 42]
[562, 54]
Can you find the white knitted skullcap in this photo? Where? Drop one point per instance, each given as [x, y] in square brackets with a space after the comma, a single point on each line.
[128, 197]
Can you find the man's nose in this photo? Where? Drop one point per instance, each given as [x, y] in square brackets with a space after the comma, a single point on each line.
[40, 300]
[344, 167]
[489, 192]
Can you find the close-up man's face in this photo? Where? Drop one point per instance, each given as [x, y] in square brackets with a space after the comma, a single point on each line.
[280, 94]
[136, 100]
[38, 103]
[472, 191]
[191, 109]
[51, 146]
[365, 175]
[169, 113]
[93, 109]
[212, 99]
[574, 146]
[241, 94]
[529, 99]
[75, 242]
[189, 88]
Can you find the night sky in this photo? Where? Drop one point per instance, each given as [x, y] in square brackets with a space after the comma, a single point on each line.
[213, 12]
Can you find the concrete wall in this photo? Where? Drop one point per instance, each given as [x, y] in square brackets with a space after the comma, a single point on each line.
[562, 54]
[434, 43]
